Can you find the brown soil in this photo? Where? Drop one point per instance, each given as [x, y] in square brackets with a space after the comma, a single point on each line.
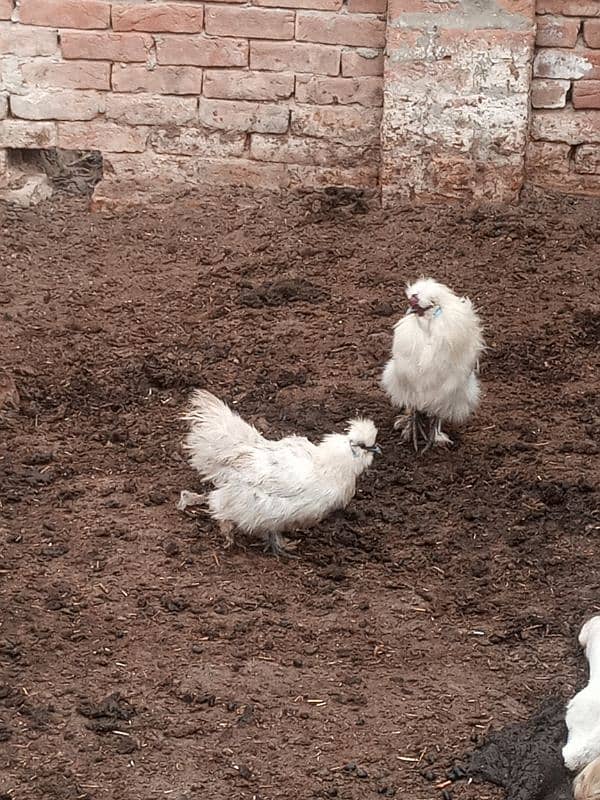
[140, 660]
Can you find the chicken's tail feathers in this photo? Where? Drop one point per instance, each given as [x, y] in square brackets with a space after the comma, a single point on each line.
[216, 434]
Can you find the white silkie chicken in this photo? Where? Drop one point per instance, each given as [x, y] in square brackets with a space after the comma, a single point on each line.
[432, 373]
[271, 487]
[583, 710]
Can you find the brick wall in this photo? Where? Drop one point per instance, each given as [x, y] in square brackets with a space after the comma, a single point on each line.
[564, 152]
[278, 93]
[289, 93]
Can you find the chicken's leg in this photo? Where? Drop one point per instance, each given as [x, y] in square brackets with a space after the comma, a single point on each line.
[280, 547]
[227, 529]
[412, 429]
[190, 499]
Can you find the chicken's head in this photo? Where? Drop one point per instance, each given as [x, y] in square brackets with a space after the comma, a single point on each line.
[362, 435]
[426, 296]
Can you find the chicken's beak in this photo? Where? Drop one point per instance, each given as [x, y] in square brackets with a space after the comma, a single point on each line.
[375, 449]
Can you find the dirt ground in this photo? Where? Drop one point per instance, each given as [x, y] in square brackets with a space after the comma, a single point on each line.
[140, 660]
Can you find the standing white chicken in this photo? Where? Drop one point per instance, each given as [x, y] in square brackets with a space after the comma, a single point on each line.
[435, 355]
[269, 487]
[583, 710]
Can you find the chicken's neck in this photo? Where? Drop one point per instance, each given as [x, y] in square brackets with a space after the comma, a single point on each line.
[592, 653]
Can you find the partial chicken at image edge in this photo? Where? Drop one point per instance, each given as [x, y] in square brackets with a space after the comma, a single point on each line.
[269, 487]
[432, 373]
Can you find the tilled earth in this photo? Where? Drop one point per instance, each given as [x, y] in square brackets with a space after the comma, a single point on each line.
[140, 660]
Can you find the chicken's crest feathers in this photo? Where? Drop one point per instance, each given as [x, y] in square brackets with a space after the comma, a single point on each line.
[362, 431]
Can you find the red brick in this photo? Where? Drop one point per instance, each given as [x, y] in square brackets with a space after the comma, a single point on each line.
[314, 26]
[292, 150]
[586, 94]
[197, 142]
[329, 91]
[367, 6]
[67, 74]
[68, 105]
[566, 64]
[315, 5]
[106, 46]
[202, 51]
[6, 9]
[20, 40]
[556, 31]
[359, 63]
[238, 85]
[259, 22]
[591, 32]
[547, 157]
[65, 13]
[158, 18]
[151, 110]
[101, 135]
[341, 124]
[525, 8]
[160, 80]
[319, 59]
[568, 126]
[587, 159]
[549, 93]
[569, 8]
[242, 115]
[15, 133]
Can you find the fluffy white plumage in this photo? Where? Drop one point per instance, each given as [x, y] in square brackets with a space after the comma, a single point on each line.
[583, 710]
[435, 353]
[269, 487]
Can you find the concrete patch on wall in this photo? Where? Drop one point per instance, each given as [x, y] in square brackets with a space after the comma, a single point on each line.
[456, 99]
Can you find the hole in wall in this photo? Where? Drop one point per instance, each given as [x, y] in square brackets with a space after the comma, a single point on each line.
[73, 172]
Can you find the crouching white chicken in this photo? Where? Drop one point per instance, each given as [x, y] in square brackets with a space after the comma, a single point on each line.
[432, 373]
[270, 487]
[583, 710]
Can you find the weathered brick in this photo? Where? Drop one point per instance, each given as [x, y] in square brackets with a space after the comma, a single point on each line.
[569, 8]
[106, 46]
[197, 142]
[20, 40]
[315, 26]
[342, 124]
[241, 115]
[65, 13]
[162, 170]
[315, 5]
[158, 18]
[568, 126]
[15, 133]
[151, 110]
[591, 32]
[548, 93]
[160, 80]
[238, 85]
[68, 105]
[586, 94]
[307, 176]
[566, 64]
[67, 74]
[260, 22]
[202, 51]
[6, 9]
[547, 157]
[363, 62]
[3, 106]
[587, 159]
[327, 91]
[294, 150]
[319, 59]
[556, 31]
[101, 135]
[367, 6]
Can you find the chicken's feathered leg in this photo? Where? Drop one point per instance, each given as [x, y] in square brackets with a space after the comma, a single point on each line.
[190, 499]
[280, 547]
[412, 429]
[227, 529]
